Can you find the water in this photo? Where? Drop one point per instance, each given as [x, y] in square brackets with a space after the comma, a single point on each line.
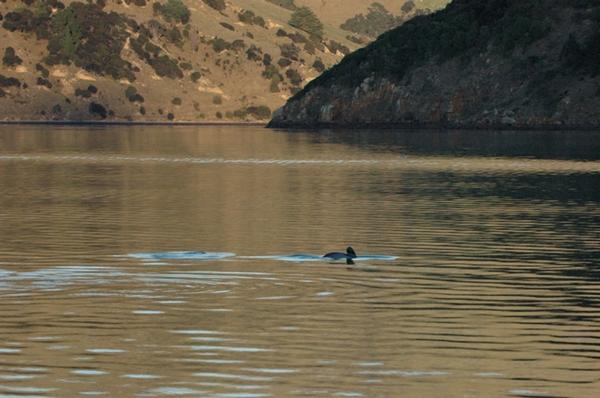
[160, 262]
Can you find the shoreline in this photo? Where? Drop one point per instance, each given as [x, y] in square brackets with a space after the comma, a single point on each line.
[128, 123]
[431, 126]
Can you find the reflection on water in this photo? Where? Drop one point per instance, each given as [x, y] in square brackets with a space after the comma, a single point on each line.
[156, 262]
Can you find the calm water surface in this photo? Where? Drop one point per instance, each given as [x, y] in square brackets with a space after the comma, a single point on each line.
[491, 287]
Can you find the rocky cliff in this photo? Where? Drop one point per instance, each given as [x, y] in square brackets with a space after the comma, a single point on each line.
[497, 63]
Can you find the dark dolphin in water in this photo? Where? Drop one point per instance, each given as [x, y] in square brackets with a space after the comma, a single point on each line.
[349, 255]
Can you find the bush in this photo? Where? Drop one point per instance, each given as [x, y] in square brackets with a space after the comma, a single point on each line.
[284, 62]
[305, 19]
[98, 110]
[43, 71]
[270, 71]
[217, 100]
[318, 65]
[294, 77]
[10, 58]
[227, 26]
[377, 21]
[274, 86]
[262, 112]
[82, 93]
[173, 11]
[267, 59]
[219, 45]
[195, 76]
[90, 38]
[9, 81]
[43, 82]
[248, 17]
[287, 4]
[176, 101]
[290, 51]
[132, 95]
[218, 5]
[166, 67]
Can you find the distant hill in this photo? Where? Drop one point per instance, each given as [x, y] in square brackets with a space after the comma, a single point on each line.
[513, 63]
[193, 60]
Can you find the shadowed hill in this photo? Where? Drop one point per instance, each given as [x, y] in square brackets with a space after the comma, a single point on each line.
[500, 62]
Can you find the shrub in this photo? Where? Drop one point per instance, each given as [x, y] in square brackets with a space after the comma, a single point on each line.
[43, 82]
[217, 100]
[227, 26]
[195, 76]
[250, 18]
[318, 65]
[287, 4]
[284, 62]
[254, 54]
[166, 67]
[176, 101]
[98, 110]
[259, 112]
[274, 86]
[270, 71]
[43, 71]
[173, 11]
[82, 93]
[218, 5]
[377, 21]
[267, 59]
[9, 81]
[305, 19]
[219, 45]
[293, 76]
[170, 116]
[290, 51]
[90, 38]
[132, 95]
[10, 58]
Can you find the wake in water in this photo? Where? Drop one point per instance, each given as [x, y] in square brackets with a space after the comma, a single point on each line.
[182, 255]
[206, 256]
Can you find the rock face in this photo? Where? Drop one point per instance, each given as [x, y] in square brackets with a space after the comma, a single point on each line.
[501, 63]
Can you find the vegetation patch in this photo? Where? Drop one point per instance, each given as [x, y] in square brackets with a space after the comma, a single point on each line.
[287, 4]
[97, 109]
[250, 18]
[195, 76]
[377, 21]
[90, 38]
[43, 71]
[294, 77]
[218, 5]
[132, 95]
[162, 64]
[11, 58]
[305, 19]
[9, 82]
[43, 82]
[173, 11]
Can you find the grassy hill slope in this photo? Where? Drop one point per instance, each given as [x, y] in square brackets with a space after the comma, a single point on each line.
[164, 60]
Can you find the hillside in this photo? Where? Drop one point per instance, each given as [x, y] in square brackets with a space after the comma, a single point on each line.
[166, 60]
[515, 63]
